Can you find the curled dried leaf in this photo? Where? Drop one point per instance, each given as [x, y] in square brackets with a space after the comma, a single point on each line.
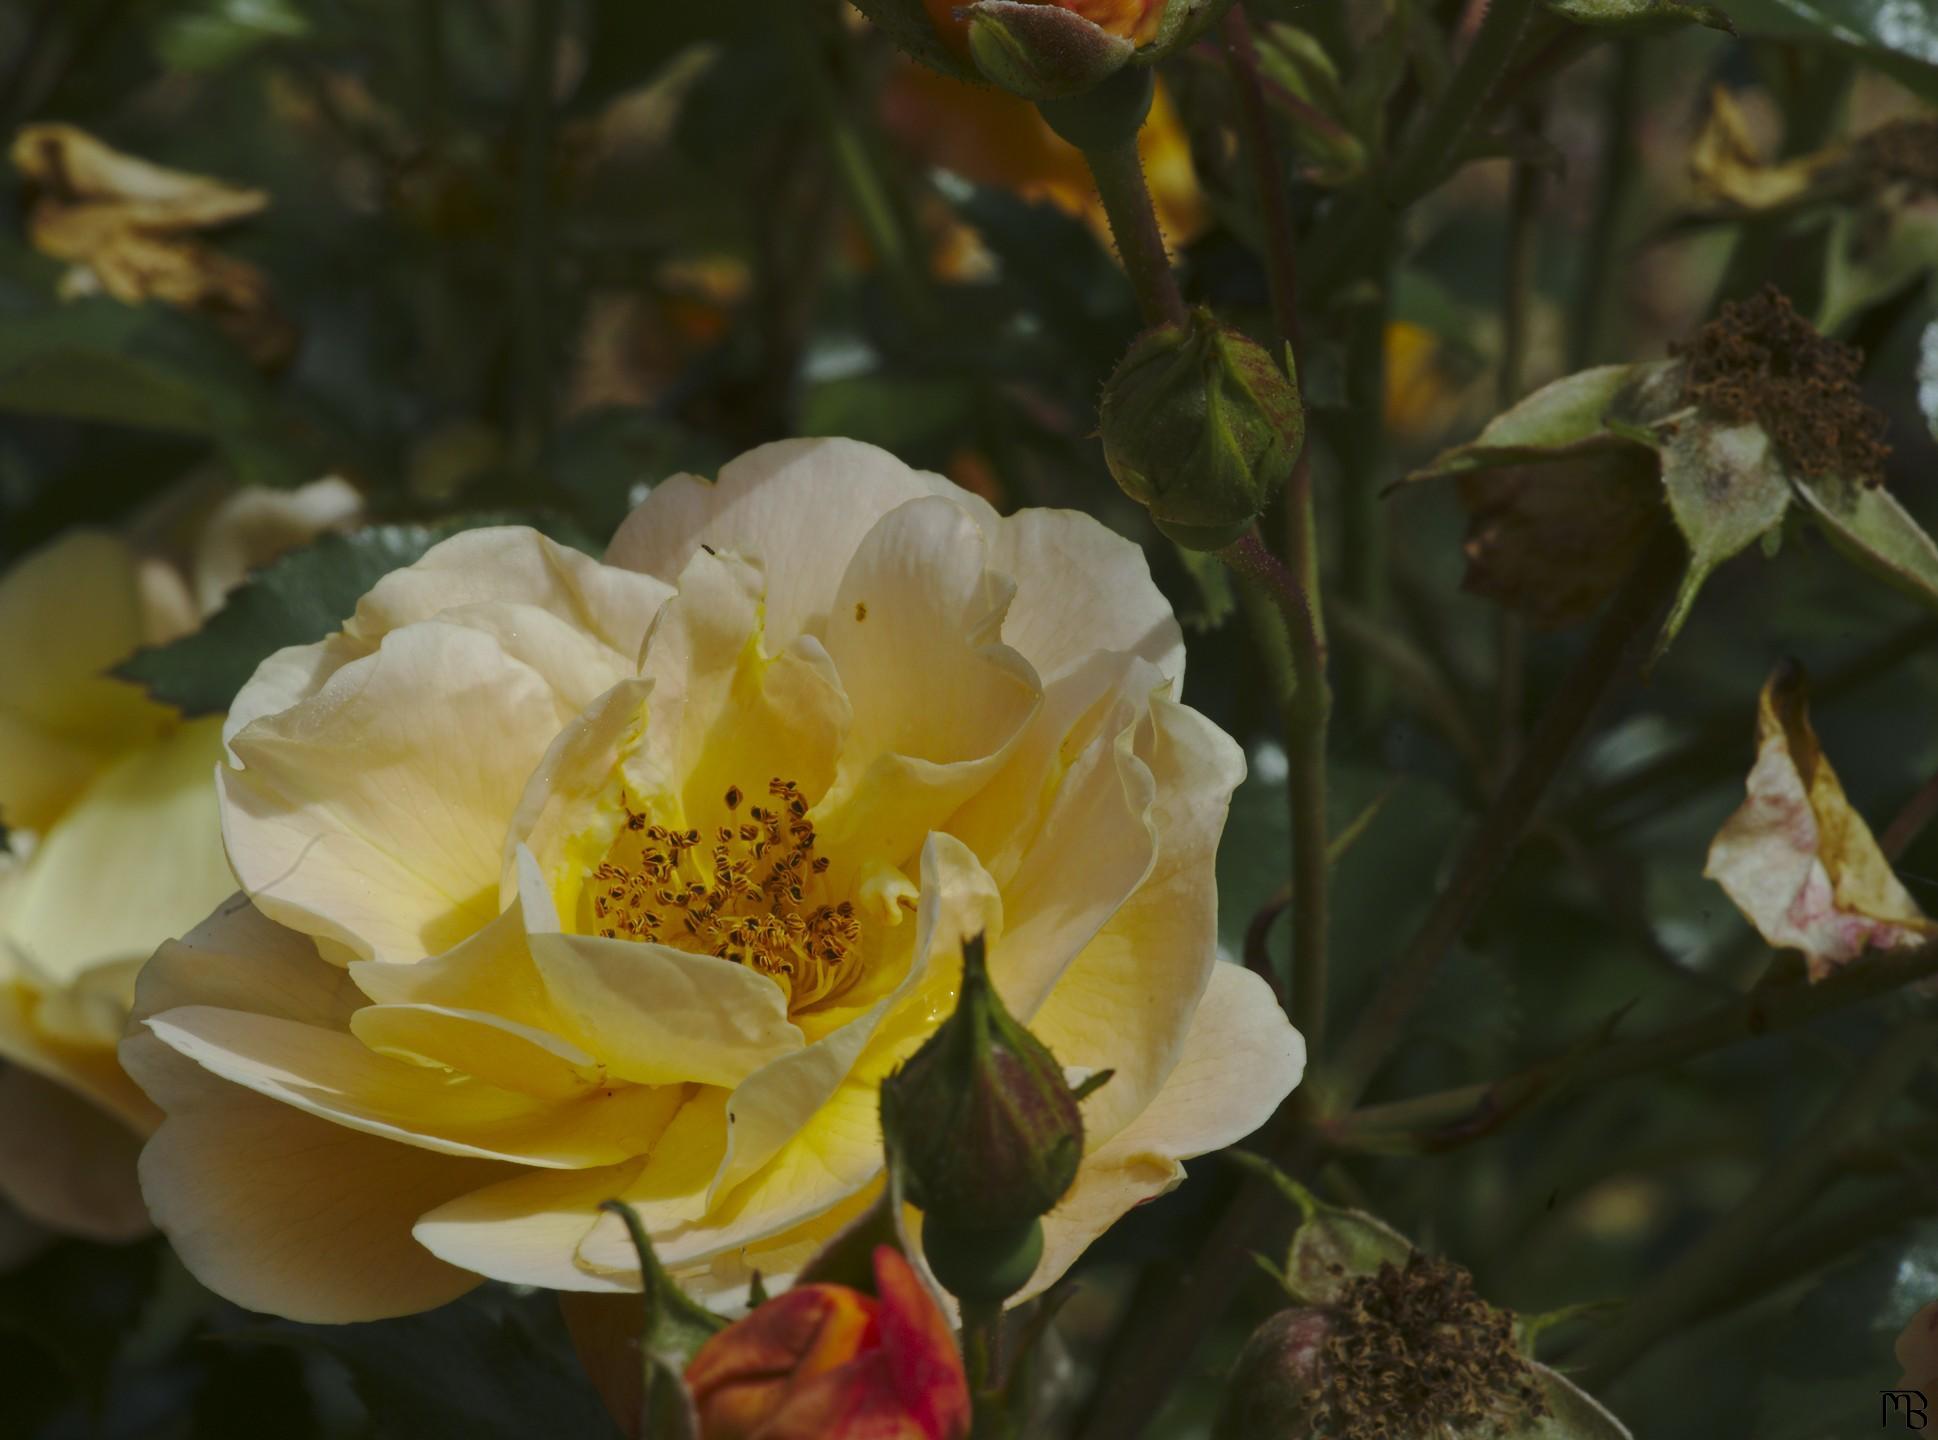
[1797, 860]
[129, 228]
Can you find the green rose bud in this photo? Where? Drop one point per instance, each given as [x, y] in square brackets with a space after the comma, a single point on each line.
[1201, 427]
[1042, 52]
[984, 1126]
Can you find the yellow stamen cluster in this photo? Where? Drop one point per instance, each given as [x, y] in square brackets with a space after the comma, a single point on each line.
[752, 895]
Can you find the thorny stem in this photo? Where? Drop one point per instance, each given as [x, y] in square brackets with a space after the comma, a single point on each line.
[1740, 1236]
[1119, 175]
[1306, 708]
[1450, 1118]
[1627, 622]
[1309, 706]
[981, 1339]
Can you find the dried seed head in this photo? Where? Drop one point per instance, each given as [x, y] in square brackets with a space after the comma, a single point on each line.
[1760, 360]
[1412, 1352]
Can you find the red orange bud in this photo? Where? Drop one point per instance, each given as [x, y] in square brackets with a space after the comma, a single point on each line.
[824, 1362]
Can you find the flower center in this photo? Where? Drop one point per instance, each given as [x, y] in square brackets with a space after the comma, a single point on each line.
[753, 893]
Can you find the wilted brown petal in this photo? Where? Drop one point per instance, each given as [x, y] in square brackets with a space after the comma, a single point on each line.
[1799, 862]
[1552, 537]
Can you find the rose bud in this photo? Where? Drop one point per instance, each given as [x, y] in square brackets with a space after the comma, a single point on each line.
[988, 1135]
[1041, 49]
[825, 1362]
[1201, 427]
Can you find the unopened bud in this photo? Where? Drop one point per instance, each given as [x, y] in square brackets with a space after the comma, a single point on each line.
[1201, 427]
[985, 1127]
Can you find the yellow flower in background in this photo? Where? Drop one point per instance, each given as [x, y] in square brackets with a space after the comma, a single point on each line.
[575, 881]
[114, 842]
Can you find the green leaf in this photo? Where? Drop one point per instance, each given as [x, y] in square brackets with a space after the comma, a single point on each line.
[1640, 14]
[1726, 488]
[296, 600]
[1573, 1414]
[1866, 523]
[1899, 37]
[1563, 412]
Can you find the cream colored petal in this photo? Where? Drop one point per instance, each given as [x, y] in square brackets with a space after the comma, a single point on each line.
[725, 711]
[68, 612]
[136, 860]
[492, 972]
[938, 701]
[287, 677]
[1126, 1002]
[255, 525]
[656, 1015]
[526, 1230]
[284, 1213]
[724, 1281]
[491, 578]
[486, 1047]
[67, 1163]
[799, 507]
[514, 565]
[1080, 588]
[1069, 824]
[251, 1001]
[1240, 1059]
[90, 1071]
[529, 1230]
[372, 814]
[331, 1075]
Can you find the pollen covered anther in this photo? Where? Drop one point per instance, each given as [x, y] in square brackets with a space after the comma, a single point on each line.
[751, 894]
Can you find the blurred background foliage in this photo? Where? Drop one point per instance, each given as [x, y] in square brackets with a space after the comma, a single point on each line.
[524, 257]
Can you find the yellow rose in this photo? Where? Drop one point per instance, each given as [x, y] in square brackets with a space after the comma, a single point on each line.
[690, 839]
[114, 843]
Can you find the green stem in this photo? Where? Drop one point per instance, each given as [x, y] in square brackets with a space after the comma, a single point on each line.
[1450, 1118]
[1119, 174]
[1428, 156]
[981, 1344]
[1517, 303]
[1738, 1238]
[532, 279]
[1308, 707]
[1627, 622]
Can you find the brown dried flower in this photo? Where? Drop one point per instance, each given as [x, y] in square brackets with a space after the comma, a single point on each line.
[1760, 360]
[1413, 1352]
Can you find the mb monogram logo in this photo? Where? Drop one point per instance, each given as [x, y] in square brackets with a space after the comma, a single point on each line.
[1907, 1406]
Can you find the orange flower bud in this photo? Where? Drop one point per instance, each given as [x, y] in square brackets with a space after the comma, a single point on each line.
[824, 1362]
